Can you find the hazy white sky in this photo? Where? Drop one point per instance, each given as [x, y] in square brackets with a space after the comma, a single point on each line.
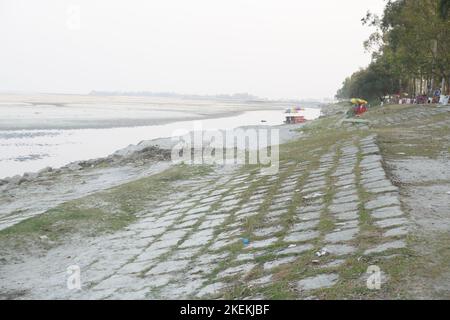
[270, 48]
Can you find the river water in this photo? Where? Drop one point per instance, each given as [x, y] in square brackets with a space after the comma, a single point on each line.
[31, 150]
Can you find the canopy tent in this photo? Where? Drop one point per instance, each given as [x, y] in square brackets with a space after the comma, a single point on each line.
[358, 101]
[294, 110]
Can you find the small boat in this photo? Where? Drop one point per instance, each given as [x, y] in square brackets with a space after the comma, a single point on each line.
[291, 119]
[293, 116]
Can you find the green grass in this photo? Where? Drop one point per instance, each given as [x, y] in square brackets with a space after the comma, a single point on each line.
[115, 208]
[105, 211]
[401, 269]
[317, 139]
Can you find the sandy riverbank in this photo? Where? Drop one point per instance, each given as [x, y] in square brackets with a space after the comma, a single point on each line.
[48, 130]
[25, 192]
[47, 111]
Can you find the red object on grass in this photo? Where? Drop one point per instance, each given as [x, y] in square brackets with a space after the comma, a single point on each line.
[360, 109]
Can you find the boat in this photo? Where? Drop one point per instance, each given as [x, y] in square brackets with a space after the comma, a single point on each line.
[293, 116]
[291, 119]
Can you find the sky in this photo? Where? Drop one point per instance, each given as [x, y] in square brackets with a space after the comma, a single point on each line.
[277, 49]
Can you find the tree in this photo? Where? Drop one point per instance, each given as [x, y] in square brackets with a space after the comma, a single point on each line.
[371, 83]
[410, 45]
[444, 8]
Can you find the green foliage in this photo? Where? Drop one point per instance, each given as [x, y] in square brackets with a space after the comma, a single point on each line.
[374, 82]
[444, 8]
[411, 41]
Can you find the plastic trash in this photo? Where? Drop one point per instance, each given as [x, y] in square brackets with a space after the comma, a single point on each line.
[313, 195]
[245, 241]
[322, 252]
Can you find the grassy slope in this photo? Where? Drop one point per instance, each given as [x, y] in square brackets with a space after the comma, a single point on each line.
[113, 209]
[320, 137]
[101, 212]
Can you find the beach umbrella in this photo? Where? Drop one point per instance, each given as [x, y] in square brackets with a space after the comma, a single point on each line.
[358, 101]
[362, 101]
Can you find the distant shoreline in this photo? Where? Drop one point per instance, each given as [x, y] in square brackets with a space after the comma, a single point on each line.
[64, 112]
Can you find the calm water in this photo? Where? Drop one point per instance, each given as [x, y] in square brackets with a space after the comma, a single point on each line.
[31, 150]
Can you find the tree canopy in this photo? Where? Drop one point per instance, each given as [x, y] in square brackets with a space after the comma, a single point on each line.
[410, 50]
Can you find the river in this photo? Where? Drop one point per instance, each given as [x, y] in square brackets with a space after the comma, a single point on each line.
[31, 150]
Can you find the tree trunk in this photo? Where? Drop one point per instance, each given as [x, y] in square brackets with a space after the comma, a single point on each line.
[447, 92]
[435, 45]
[421, 84]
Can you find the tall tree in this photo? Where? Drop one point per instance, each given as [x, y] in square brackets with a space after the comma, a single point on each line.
[411, 41]
[444, 8]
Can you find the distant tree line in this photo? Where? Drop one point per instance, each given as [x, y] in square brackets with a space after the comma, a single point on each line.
[410, 51]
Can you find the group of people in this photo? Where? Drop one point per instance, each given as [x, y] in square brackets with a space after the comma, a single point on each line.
[435, 98]
[360, 106]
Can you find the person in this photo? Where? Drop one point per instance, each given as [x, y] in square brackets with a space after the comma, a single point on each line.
[360, 109]
[444, 100]
[363, 108]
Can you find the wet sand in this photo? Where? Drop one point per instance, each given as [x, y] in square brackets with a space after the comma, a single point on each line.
[42, 111]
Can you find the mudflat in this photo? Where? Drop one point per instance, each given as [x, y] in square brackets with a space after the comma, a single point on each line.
[56, 111]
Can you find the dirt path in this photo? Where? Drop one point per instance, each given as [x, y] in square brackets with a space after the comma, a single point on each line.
[416, 147]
